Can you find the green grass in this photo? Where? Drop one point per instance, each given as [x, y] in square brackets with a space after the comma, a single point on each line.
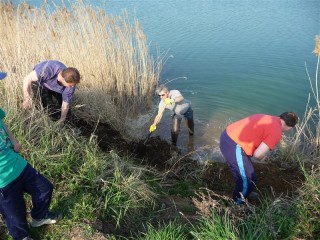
[308, 206]
[183, 188]
[88, 184]
[165, 231]
[217, 226]
[272, 219]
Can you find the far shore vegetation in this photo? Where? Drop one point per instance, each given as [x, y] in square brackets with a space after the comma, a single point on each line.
[104, 195]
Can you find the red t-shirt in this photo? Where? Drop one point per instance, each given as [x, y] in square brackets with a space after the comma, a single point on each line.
[251, 131]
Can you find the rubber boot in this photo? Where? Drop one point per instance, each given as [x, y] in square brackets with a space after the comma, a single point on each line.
[174, 138]
[190, 125]
[175, 130]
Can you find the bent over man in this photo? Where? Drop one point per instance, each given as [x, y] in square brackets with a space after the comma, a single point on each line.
[253, 136]
[181, 108]
[54, 84]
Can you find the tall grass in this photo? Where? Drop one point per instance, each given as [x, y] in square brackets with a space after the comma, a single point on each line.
[305, 144]
[308, 206]
[89, 185]
[118, 78]
[111, 52]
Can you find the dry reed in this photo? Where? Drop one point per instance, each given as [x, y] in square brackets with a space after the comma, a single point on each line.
[112, 54]
[306, 141]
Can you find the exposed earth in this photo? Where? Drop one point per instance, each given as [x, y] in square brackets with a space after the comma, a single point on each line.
[165, 158]
[182, 177]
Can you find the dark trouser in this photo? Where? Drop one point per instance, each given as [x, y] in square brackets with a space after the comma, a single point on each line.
[12, 204]
[240, 166]
[50, 100]
[176, 122]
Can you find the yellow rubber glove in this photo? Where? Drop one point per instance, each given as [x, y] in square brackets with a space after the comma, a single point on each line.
[168, 101]
[152, 128]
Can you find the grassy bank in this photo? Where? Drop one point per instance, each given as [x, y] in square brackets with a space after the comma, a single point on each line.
[105, 195]
[89, 185]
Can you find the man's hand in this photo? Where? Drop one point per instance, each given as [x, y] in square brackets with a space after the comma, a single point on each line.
[152, 128]
[168, 101]
[27, 103]
[17, 147]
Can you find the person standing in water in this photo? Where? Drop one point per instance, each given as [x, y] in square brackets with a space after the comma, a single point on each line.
[181, 108]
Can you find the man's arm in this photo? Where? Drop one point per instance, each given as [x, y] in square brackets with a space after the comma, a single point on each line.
[178, 99]
[261, 151]
[159, 116]
[64, 111]
[27, 81]
[157, 119]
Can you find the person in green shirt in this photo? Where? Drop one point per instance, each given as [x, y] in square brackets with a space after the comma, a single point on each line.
[17, 177]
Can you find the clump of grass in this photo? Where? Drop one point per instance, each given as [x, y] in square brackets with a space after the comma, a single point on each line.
[216, 226]
[166, 231]
[308, 206]
[111, 52]
[272, 219]
[215, 221]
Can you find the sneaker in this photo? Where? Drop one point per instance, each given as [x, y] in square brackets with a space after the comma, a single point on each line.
[27, 238]
[51, 218]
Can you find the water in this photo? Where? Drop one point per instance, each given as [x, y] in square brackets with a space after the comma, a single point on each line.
[238, 57]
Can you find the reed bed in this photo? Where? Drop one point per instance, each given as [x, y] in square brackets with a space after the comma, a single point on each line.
[303, 146]
[118, 77]
[111, 52]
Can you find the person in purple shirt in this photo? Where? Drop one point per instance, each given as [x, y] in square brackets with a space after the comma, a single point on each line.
[54, 84]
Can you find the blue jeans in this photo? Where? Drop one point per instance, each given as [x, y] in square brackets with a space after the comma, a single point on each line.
[240, 166]
[12, 204]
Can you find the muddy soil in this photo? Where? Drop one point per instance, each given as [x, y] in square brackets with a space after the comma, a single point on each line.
[176, 170]
[165, 158]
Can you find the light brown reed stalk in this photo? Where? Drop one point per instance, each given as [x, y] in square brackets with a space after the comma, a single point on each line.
[306, 141]
[311, 134]
[111, 53]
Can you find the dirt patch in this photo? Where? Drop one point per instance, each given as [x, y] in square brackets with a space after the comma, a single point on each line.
[270, 179]
[107, 137]
[165, 157]
[180, 174]
[152, 151]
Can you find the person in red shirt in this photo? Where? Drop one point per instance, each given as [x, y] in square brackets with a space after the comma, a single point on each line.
[253, 136]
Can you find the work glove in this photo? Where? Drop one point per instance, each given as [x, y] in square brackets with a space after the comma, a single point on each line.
[168, 101]
[152, 128]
